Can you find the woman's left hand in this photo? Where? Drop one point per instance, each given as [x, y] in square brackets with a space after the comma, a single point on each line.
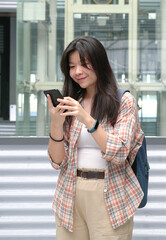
[73, 108]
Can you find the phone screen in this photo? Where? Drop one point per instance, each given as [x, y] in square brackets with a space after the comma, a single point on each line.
[54, 94]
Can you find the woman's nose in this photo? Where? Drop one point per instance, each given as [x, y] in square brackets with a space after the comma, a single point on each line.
[78, 69]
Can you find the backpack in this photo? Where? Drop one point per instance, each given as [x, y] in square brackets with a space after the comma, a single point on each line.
[140, 165]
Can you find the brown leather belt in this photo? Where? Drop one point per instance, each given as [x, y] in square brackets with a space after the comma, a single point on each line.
[90, 174]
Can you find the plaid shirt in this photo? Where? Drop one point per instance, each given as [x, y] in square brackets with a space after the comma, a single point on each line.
[122, 191]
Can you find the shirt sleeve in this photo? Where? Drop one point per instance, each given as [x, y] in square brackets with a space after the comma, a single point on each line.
[64, 161]
[126, 133]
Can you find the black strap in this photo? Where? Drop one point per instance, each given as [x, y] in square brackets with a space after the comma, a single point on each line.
[120, 94]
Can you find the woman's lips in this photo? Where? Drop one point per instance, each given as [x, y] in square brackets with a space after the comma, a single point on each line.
[81, 79]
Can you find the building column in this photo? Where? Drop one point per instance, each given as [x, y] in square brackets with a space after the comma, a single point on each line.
[26, 74]
[163, 70]
[42, 68]
[46, 62]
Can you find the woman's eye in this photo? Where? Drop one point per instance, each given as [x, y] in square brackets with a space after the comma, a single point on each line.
[71, 66]
[88, 65]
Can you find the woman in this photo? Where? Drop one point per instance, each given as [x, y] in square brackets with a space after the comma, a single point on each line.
[93, 143]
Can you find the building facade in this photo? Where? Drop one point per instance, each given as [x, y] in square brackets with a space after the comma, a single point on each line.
[133, 33]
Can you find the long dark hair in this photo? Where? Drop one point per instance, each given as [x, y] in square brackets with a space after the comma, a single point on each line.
[106, 102]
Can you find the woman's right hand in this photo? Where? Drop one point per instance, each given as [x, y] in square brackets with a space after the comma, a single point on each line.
[55, 112]
[56, 149]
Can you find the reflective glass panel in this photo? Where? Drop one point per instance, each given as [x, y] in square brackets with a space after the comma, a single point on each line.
[112, 31]
[40, 43]
[148, 108]
[41, 33]
[149, 41]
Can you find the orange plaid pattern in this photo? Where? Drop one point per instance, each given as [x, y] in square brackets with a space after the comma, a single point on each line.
[122, 192]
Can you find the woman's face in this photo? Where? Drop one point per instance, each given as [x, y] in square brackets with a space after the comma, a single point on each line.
[85, 77]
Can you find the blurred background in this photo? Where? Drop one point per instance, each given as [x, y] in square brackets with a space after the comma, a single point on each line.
[33, 35]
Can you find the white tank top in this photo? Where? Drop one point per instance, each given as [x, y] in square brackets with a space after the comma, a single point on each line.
[89, 153]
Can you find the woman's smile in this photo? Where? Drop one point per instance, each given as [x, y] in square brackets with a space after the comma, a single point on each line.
[81, 79]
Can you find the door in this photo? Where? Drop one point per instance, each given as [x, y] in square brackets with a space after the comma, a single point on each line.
[4, 67]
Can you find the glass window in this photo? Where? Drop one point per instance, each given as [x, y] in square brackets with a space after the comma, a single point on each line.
[149, 42]
[126, 1]
[148, 108]
[41, 33]
[112, 31]
[40, 43]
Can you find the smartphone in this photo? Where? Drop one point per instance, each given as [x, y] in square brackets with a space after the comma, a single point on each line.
[54, 94]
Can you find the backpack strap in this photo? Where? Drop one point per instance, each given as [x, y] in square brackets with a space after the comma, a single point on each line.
[120, 94]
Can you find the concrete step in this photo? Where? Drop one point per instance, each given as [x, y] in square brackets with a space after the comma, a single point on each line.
[27, 186]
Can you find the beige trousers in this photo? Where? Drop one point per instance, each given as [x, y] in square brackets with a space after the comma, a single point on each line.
[91, 220]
